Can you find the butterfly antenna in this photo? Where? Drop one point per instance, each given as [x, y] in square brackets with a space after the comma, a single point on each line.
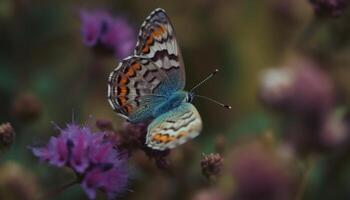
[214, 101]
[204, 80]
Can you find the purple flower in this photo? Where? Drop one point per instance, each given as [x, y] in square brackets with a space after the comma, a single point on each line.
[90, 156]
[93, 25]
[108, 179]
[100, 28]
[262, 172]
[303, 89]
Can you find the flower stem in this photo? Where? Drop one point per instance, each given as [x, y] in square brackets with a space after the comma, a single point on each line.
[308, 33]
[58, 190]
[302, 187]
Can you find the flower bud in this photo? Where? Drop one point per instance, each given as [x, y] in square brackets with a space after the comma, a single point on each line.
[7, 135]
[27, 107]
[17, 183]
[104, 124]
[211, 165]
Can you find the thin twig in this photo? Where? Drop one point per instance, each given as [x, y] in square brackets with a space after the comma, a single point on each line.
[305, 179]
[58, 190]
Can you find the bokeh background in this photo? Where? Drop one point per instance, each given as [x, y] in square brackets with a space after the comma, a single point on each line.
[284, 69]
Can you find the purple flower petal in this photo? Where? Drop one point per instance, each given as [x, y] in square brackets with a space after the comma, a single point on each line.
[92, 182]
[79, 158]
[125, 48]
[120, 37]
[112, 181]
[115, 181]
[93, 25]
[59, 150]
[42, 152]
[102, 153]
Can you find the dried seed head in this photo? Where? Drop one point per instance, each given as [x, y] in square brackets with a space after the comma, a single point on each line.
[104, 124]
[7, 135]
[211, 165]
[27, 107]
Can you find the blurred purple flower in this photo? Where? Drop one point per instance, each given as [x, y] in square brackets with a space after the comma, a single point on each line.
[306, 95]
[335, 130]
[305, 89]
[90, 155]
[100, 28]
[262, 172]
[93, 25]
[333, 8]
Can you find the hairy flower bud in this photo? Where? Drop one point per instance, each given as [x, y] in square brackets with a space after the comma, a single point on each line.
[211, 165]
[7, 135]
[27, 107]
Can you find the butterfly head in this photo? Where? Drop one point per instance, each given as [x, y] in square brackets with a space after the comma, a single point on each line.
[189, 97]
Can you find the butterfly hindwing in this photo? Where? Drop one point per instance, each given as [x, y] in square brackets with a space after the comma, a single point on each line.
[157, 42]
[174, 127]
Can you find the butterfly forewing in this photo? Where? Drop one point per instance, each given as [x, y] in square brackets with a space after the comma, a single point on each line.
[157, 41]
[133, 88]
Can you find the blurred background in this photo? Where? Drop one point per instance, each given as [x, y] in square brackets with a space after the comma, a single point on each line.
[284, 69]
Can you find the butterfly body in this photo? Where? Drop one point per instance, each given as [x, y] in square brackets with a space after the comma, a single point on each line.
[173, 101]
[150, 86]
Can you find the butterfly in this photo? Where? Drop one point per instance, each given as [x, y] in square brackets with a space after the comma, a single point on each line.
[149, 85]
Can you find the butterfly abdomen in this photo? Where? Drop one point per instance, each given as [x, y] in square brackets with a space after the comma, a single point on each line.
[172, 102]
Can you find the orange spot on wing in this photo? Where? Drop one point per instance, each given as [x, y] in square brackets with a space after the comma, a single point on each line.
[158, 32]
[182, 134]
[123, 91]
[163, 138]
[155, 137]
[123, 80]
[122, 100]
[128, 108]
[130, 72]
[136, 66]
[149, 40]
[145, 49]
[171, 138]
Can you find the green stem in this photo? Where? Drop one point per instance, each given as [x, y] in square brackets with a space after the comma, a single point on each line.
[305, 179]
[308, 33]
[58, 190]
